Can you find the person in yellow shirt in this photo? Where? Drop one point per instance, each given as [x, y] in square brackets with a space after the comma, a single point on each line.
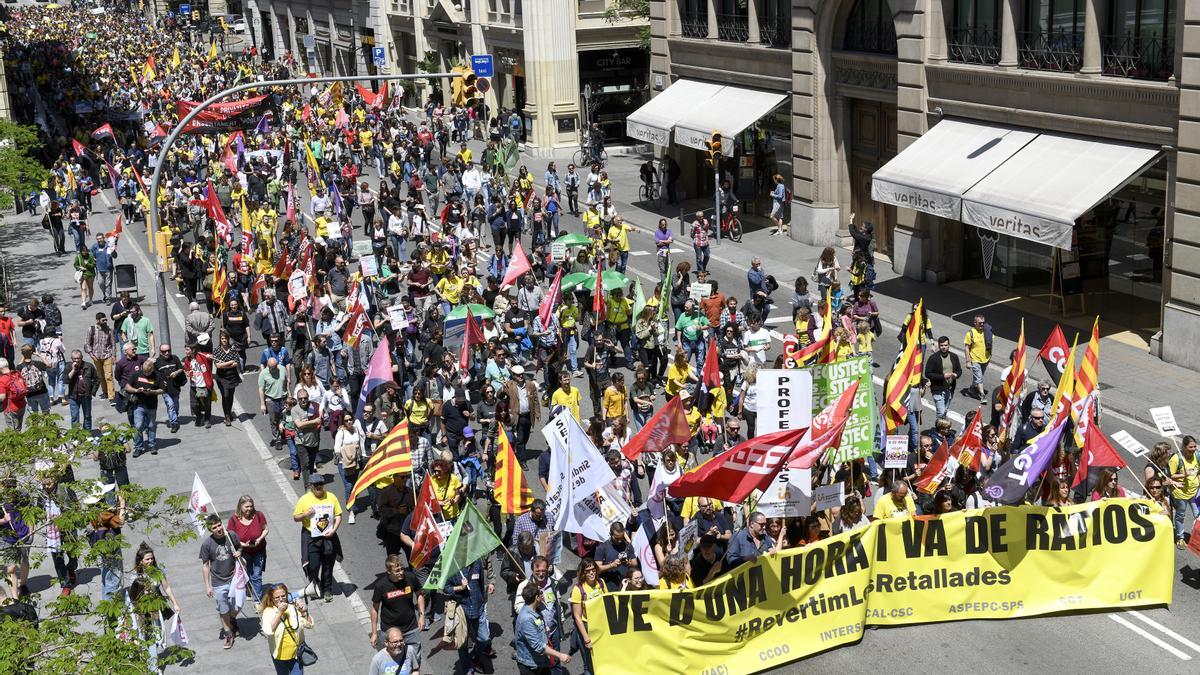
[591, 218]
[620, 320]
[464, 153]
[447, 487]
[321, 227]
[618, 237]
[1184, 469]
[615, 397]
[450, 289]
[679, 373]
[843, 346]
[896, 504]
[587, 586]
[320, 514]
[978, 346]
[566, 395]
[718, 404]
[674, 574]
[568, 320]
[439, 260]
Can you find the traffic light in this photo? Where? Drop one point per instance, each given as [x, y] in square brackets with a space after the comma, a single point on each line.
[469, 93]
[712, 151]
[463, 82]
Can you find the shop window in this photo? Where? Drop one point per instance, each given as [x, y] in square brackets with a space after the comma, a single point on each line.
[1052, 38]
[1140, 43]
[973, 31]
[693, 18]
[733, 20]
[775, 22]
[870, 28]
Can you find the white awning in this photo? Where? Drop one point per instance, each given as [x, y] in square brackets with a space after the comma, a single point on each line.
[653, 121]
[932, 174]
[1041, 191]
[730, 111]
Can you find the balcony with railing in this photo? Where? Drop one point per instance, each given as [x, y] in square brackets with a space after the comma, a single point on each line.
[733, 26]
[975, 46]
[775, 30]
[1060, 51]
[1151, 58]
[693, 20]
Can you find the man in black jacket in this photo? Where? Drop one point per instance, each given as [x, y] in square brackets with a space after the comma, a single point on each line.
[82, 382]
[942, 371]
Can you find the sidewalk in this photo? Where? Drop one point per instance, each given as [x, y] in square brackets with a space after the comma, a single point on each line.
[231, 461]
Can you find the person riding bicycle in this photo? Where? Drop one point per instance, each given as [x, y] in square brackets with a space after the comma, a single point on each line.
[649, 175]
[596, 142]
[728, 199]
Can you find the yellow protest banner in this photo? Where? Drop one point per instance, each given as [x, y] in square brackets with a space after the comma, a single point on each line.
[1003, 562]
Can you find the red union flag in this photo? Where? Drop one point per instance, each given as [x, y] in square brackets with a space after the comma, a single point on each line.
[668, 426]
[732, 475]
[426, 534]
[833, 416]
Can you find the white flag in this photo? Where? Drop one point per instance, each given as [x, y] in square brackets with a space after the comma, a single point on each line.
[577, 499]
[644, 547]
[198, 503]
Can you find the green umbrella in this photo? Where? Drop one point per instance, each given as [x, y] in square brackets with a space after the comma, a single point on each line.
[587, 280]
[477, 311]
[574, 240]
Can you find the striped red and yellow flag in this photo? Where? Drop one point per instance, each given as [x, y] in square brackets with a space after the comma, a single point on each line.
[220, 285]
[908, 365]
[511, 491]
[1010, 393]
[1086, 379]
[393, 455]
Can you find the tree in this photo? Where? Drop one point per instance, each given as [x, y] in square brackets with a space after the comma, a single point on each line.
[76, 634]
[619, 11]
[19, 171]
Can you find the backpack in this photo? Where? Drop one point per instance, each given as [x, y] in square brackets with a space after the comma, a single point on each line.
[17, 391]
[31, 378]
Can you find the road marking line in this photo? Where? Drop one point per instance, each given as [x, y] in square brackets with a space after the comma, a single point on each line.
[1179, 638]
[356, 604]
[1153, 638]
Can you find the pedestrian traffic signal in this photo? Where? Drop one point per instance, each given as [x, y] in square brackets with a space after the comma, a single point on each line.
[713, 152]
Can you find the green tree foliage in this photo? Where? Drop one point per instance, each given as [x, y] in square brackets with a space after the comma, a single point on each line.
[19, 171]
[620, 11]
[75, 633]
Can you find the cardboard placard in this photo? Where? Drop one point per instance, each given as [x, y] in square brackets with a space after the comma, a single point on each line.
[397, 317]
[1127, 441]
[558, 252]
[895, 452]
[699, 291]
[829, 496]
[1164, 419]
[369, 265]
[788, 496]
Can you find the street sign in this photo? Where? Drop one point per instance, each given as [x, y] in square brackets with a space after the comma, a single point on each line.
[379, 55]
[482, 85]
[185, 9]
[482, 65]
[310, 41]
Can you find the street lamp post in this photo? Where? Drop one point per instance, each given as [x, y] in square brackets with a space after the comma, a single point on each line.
[153, 223]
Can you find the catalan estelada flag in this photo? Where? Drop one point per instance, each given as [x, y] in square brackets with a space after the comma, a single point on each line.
[392, 456]
[512, 493]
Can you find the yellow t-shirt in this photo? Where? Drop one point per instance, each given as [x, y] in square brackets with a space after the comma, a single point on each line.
[568, 316]
[591, 219]
[619, 312]
[309, 500]
[438, 260]
[568, 399]
[619, 234]
[677, 378]
[1191, 478]
[866, 342]
[465, 154]
[286, 647]
[444, 491]
[614, 403]
[719, 404]
[977, 346]
[451, 289]
[685, 584]
[886, 507]
[418, 411]
[582, 592]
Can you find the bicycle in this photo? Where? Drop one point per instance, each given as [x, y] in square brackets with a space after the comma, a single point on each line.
[585, 156]
[731, 226]
[649, 194]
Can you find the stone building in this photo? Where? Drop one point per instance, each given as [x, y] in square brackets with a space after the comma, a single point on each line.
[1039, 147]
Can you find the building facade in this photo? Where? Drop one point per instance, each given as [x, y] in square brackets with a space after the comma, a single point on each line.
[544, 60]
[1059, 147]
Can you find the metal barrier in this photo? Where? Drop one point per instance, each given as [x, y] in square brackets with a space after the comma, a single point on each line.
[714, 229]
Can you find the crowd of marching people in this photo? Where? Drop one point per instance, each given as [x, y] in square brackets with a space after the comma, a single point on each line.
[450, 305]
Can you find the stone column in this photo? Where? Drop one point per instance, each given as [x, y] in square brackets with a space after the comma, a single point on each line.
[712, 19]
[1008, 34]
[5, 109]
[551, 76]
[1093, 61]
[752, 21]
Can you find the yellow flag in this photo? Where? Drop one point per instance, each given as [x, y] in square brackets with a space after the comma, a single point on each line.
[175, 59]
[1066, 386]
[212, 50]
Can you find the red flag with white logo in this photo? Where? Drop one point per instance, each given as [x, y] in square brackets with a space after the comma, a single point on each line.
[427, 537]
[732, 475]
[833, 416]
[668, 426]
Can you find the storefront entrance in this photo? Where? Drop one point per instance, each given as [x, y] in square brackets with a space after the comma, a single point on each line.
[872, 144]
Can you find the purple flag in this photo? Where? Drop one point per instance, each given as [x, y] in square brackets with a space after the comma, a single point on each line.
[1011, 481]
[379, 372]
[335, 196]
[264, 126]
